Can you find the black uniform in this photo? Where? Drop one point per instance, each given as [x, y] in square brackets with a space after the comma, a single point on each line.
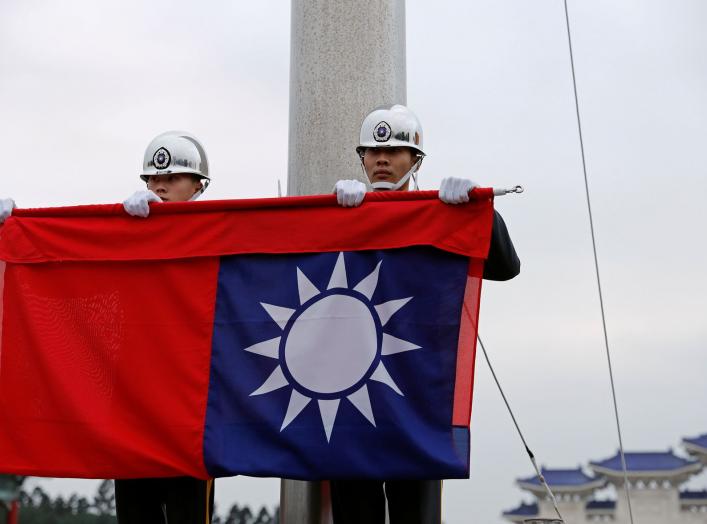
[415, 501]
[173, 500]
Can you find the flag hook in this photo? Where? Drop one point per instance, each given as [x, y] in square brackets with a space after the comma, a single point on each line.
[499, 191]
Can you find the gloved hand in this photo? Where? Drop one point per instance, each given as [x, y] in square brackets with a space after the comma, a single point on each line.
[6, 207]
[350, 193]
[456, 190]
[138, 204]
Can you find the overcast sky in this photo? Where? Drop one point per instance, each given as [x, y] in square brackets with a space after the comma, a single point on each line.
[85, 85]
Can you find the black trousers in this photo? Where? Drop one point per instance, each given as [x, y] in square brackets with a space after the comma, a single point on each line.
[174, 500]
[409, 501]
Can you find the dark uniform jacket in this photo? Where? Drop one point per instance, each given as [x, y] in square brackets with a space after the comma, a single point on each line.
[502, 262]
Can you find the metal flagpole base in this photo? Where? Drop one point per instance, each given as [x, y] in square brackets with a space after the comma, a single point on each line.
[303, 502]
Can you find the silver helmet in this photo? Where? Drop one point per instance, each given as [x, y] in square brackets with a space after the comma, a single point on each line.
[175, 152]
[392, 126]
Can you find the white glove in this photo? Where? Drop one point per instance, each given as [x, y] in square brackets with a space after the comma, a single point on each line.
[6, 207]
[138, 204]
[456, 190]
[350, 193]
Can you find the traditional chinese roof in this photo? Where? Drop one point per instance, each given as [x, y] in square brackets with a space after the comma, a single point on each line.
[645, 462]
[601, 505]
[561, 477]
[693, 495]
[524, 510]
[697, 442]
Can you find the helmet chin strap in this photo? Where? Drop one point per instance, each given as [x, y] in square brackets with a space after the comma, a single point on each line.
[204, 185]
[390, 186]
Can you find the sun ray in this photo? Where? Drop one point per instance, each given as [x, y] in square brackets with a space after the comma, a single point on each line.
[297, 403]
[276, 380]
[305, 287]
[267, 348]
[388, 309]
[279, 314]
[328, 409]
[362, 402]
[367, 286]
[381, 375]
[392, 345]
[338, 276]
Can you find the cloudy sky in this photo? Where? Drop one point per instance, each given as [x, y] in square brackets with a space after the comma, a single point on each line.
[85, 85]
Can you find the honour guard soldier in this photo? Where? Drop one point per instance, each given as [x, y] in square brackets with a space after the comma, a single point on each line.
[391, 152]
[175, 169]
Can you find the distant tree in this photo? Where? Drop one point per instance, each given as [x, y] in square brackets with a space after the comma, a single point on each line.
[60, 506]
[263, 517]
[39, 499]
[239, 515]
[104, 501]
[79, 505]
[38, 508]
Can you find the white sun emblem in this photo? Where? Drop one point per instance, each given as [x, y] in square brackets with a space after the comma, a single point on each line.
[331, 345]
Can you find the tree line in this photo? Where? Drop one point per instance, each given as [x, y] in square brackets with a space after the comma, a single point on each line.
[37, 507]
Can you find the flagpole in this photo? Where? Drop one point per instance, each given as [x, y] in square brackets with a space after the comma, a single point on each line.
[346, 58]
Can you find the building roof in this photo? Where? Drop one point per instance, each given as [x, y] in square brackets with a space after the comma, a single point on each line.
[645, 461]
[700, 441]
[601, 504]
[693, 495]
[561, 477]
[524, 510]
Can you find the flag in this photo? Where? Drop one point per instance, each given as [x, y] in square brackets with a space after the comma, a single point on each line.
[273, 337]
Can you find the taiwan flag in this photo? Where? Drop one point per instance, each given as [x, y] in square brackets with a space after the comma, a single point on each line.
[275, 337]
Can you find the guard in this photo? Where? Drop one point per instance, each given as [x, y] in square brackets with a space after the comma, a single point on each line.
[391, 153]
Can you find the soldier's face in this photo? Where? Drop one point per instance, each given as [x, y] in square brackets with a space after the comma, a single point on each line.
[177, 187]
[388, 164]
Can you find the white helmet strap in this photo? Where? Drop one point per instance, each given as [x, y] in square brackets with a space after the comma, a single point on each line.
[390, 186]
[414, 181]
[204, 185]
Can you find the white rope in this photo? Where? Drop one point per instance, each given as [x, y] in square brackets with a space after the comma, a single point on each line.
[596, 266]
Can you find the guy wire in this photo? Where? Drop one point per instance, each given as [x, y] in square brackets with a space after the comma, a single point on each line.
[541, 478]
[596, 266]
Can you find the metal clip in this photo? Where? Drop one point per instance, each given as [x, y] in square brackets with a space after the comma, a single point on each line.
[503, 191]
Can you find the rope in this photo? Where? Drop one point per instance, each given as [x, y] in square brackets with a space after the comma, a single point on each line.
[520, 433]
[596, 266]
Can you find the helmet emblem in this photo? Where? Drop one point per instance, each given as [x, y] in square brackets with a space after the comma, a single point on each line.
[382, 132]
[161, 159]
